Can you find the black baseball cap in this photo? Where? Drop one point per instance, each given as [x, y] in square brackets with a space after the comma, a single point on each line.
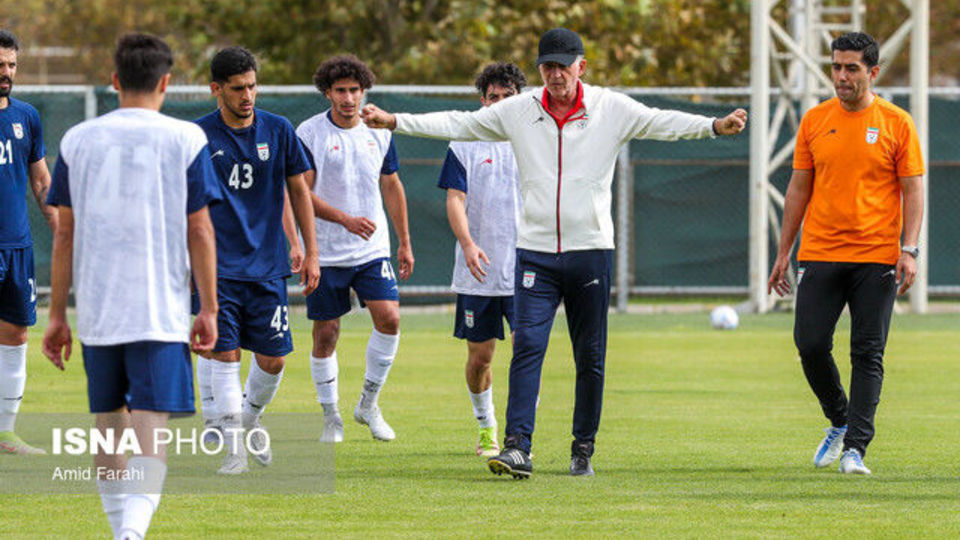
[559, 45]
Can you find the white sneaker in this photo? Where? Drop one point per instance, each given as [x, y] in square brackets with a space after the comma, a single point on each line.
[259, 447]
[332, 429]
[374, 420]
[830, 447]
[234, 463]
[852, 463]
[210, 427]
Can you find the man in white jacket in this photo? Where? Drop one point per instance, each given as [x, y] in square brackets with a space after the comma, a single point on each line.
[566, 137]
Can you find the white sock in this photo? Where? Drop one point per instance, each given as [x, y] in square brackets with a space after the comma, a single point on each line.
[483, 408]
[325, 373]
[381, 350]
[227, 394]
[112, 497]
[208, 406]
[260, 389]
[143, 495]
[13, 379]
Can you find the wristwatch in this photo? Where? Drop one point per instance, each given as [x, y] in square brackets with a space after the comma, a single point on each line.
[913, 251]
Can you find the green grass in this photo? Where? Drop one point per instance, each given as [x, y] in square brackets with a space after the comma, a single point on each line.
[704, 434]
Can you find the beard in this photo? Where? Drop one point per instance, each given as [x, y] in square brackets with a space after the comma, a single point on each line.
[5, 92]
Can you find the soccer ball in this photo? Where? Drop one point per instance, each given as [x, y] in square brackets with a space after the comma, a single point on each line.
[724, 318]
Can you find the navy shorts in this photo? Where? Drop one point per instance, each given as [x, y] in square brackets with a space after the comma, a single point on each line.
[253, 316]
[374, 280]
[144, 375]
[18, 289]
[480, 318]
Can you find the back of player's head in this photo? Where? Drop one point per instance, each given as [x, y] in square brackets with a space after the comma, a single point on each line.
[229, 62]
[141, 61]
[858, 41]
[500, 74]
[8, 41]
[346, 66]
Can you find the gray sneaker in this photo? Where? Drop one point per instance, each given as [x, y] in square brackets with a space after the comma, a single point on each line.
[260, 444]
[332, 429]
[235, 458]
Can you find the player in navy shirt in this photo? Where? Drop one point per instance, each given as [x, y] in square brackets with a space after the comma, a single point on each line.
[258, 157]
[21, 160]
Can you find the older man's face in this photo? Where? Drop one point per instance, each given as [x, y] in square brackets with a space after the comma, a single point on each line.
[561, 80]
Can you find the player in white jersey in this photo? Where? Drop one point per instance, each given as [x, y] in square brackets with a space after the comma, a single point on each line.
[132, 187]
[21, 162]
[353, 166]
[482, 204]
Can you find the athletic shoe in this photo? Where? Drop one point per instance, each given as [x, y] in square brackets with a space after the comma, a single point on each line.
[512, 461]
[487, 445]
[580, 452]
[210, 429]
[372, 418]
[830, 447]
[260, 445]
[234, 462]
[852, 463]
[11, 443]
[332, 429]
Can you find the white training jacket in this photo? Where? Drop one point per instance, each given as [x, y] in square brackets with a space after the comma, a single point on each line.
[565, 169]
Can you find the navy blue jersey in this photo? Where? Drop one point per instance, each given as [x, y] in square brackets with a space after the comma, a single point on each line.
[252, 164]
[21, 143]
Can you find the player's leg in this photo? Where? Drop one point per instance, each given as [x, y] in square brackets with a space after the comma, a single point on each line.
[821, 295]
[873, 292]
[208, 407]
[18, 297]
[376, 286]
[586, 297]
[325, 306]
[480, 323]
[160, 383]
[537, 295]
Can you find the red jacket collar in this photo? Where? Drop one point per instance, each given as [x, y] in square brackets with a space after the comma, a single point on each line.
[577, 105]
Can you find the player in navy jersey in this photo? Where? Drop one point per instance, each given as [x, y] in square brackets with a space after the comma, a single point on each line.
[258, 157]
[482, 204]
[353, 166]
[21, 161]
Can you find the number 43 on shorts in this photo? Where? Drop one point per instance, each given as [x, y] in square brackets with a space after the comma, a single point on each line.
[386, 271]
[281, 319]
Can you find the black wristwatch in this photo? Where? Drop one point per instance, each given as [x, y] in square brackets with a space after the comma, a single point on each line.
[913, 251]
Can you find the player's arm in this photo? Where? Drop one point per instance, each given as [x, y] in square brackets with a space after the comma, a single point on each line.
[201, 243]
[290, 231]
[39, 176]
[300, 200]
[457, 216]
[357, 225]
[794, 207]
[395, 199]
[912, 187]
[57, 340]
[484, 124]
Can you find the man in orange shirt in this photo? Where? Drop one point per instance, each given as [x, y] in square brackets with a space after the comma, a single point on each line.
[857, 157]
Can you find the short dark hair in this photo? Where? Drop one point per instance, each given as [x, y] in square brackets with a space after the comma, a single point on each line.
[501, 74]
[345, 66]
[141, 60]
[9, 41]
[231, 61]
[858, 41]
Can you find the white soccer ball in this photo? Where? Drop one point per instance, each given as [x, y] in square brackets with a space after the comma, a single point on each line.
[724, 318]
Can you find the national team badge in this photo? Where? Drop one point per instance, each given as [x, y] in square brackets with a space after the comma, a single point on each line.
[18, 130]
[872, 135]
[529, 278]
[468, 317]
[263, 151]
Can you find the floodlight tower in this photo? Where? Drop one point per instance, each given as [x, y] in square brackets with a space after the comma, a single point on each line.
[795, 63]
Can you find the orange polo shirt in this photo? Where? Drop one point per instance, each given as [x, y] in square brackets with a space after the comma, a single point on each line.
[857, 158]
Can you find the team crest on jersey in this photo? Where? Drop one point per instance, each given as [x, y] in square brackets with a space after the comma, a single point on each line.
[18, 130]
[468, 317]
[872, 135]
[529, 278]
[263, 150]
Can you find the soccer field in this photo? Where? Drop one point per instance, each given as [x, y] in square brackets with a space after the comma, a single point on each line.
[704, 434]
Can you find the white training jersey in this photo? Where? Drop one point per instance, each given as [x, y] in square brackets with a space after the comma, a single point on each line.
[131, 177]
[348, 165]
[487, 173]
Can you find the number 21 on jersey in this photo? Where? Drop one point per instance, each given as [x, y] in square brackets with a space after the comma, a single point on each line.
[6, 152]
[235, 181]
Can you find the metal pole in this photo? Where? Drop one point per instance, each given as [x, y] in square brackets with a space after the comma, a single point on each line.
[624, 183]
[89, 102]
[759, 152]
[919, 109]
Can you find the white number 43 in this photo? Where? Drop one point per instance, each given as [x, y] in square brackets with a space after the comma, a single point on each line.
[281, 319]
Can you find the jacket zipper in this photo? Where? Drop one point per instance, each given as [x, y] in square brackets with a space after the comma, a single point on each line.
[559, 178]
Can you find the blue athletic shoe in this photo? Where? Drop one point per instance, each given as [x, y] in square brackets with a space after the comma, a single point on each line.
[852, 463]
[830, 447]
